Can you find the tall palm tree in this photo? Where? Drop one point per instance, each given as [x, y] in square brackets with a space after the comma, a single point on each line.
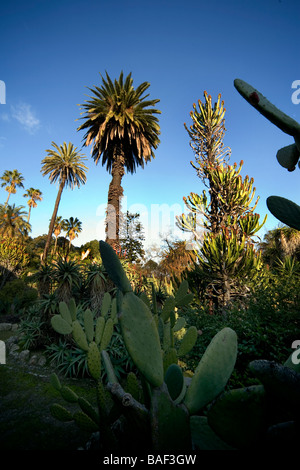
[65, 165]
[122, 127]
[11, 181]
[72, 227]
[33, 196]
[12, 221]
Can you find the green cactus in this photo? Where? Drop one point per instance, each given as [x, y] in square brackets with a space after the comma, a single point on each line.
[267, 109]
[106, 303]
[288, 212]
[280, 381]
[180, 323]
[109, 368]
[175, 381]
[72, 309]
[169, 423]
[80, 336]
[60, 325]
[283, 209]
[188, 341]
[107, 333]
[213, 370]
[239, 416]
[85, 422]
[60, 412]
[88, 319]
[288, 156]
[65, 312]
[68, 394]
[94, 361]
[169, 357]
[168, 307]
[89, 410]
[114, 267]
[203, 437]
[133, 387]
[55, 382]
[141, 338]
[100, 324]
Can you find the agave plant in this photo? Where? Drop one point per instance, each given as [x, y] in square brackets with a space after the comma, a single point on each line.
[67, 275]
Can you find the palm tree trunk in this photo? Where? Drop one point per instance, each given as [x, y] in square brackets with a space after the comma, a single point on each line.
[6, 202]
[52, 222]
[29, 212]
[115, 193]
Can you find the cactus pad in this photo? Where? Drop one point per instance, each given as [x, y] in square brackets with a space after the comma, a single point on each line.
[60, 325]
[61, 413]
[100, 324]
[238, 417]
[94, 361]
[174, 380]
[80, 336]
[267, 109]
[65, 312]
[114, 267]
[188, 341]
[213, 370]
[288, 212]
[89, 325]
[68, 394]
[288, 156]
[141, 338]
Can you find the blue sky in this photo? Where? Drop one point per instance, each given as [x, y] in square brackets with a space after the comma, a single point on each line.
[51, 51]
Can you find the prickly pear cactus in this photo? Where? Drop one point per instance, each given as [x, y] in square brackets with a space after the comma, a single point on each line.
[283, 209]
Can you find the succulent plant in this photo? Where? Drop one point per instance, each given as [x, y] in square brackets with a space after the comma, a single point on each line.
[161, 409]
[283, 209]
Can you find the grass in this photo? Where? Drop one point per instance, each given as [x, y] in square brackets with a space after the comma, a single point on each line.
[25, 419]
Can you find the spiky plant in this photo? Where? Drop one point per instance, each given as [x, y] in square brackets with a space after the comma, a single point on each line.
[67, 276]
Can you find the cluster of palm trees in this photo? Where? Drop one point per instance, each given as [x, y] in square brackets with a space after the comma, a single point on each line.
[121, 126]
[72, 227]
[14, 221]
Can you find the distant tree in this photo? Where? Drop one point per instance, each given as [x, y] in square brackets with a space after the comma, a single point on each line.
[280, 243]
[93, 247]
[121, 125]
[176, 259]
[33, 196]
[11, 181]
[65, 165]
[13, 222]
[132, 237]
[72, 227]
[58, 224]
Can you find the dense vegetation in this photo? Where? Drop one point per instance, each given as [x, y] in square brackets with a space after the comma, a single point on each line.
[235, 280]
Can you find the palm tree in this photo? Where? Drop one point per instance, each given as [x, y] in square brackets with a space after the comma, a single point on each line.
[280, 243]
[33, 195]
[58, 227]
[65, 165]
[12, 222]
[11, 180]
[123, 130]
[72, 227]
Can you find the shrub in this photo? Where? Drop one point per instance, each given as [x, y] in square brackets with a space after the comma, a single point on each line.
[16, 295]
